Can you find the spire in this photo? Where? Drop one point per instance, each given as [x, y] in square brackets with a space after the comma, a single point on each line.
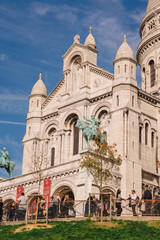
[125, 38]
[90, 41]
[39, 87]
[125, 50]
[77, 39]
[40, 76]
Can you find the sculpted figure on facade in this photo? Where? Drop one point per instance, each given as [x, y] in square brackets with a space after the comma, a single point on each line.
[104, 119]
[77, 74]
[97, 83]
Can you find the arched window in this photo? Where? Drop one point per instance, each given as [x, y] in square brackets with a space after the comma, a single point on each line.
[71, 125]
[152, 73]
[143, 70]
[52, 156]
[29, 131]
[152, 139]
[146, 134]
[75, 139]
[117, 100]
[140, 134]
[131, 69]
[103, 118]
[132, 101]
[125, 68]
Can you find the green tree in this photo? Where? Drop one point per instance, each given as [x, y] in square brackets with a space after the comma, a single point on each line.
[99, 161]
[37, 167]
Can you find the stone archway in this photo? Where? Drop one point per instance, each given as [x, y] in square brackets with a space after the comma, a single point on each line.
[107, 192]
[32, 203]
[65, 190]
[6, 206]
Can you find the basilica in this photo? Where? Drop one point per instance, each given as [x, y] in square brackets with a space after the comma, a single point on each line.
[128, 115]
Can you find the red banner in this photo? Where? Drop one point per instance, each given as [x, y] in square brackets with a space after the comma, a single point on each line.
[47, 188]
[19, 191]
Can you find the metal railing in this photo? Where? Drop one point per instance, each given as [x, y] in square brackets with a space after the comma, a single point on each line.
[83, 208]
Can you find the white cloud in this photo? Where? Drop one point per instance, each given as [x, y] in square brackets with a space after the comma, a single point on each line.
[3, 57]
[45, 62]
[61, 12]
[137, 16]
[9, 140]
[12, 97]
[12, 123]
[13, 102]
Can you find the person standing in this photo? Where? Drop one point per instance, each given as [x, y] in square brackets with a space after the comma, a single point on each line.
[148, 201]
[133, 202]
[56, 201]
[1, 209]
[119, 202]
[66, 202]
[22, 200]
[12, 211]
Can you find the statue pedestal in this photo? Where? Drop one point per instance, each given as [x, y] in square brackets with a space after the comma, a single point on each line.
[2, 178]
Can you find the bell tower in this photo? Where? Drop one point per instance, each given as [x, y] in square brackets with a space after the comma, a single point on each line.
[148, 52]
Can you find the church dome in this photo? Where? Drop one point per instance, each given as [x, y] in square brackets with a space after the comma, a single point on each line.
[39, 87]
[125, 50]
[90, 41]
[152, 4]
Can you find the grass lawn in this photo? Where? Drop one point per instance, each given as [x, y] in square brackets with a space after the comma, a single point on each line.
[86, 230]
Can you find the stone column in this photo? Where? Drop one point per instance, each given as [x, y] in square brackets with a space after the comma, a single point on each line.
[67, 79]
[80, 141]
[87, 76]
[158, 75]
[63, 148]
[148, 84]
[66, 83]
[126, 133]
[58, 152]
[68, 146]
[84, 75]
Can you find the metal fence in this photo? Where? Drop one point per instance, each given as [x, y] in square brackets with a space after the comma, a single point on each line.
[91, 207]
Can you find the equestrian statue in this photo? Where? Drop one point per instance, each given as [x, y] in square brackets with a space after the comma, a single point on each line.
[89, 131]
[5, 162]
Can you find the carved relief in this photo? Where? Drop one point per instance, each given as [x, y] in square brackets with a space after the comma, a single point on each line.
[77, 74]
[104, 118]
[59, 98]
[97, 83]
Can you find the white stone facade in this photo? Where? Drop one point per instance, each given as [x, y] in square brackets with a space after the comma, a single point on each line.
[130, 116]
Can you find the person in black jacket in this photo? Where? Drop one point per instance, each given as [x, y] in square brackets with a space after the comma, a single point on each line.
[1, 209]
[148, 201]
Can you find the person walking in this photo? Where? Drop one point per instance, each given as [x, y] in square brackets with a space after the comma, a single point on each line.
[133, 202]
[1, 209]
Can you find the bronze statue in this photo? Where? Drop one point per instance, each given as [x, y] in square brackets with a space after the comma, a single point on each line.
[5, 162]
[89, 131]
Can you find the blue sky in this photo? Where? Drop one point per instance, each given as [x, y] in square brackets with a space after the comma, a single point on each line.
[34, 35]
